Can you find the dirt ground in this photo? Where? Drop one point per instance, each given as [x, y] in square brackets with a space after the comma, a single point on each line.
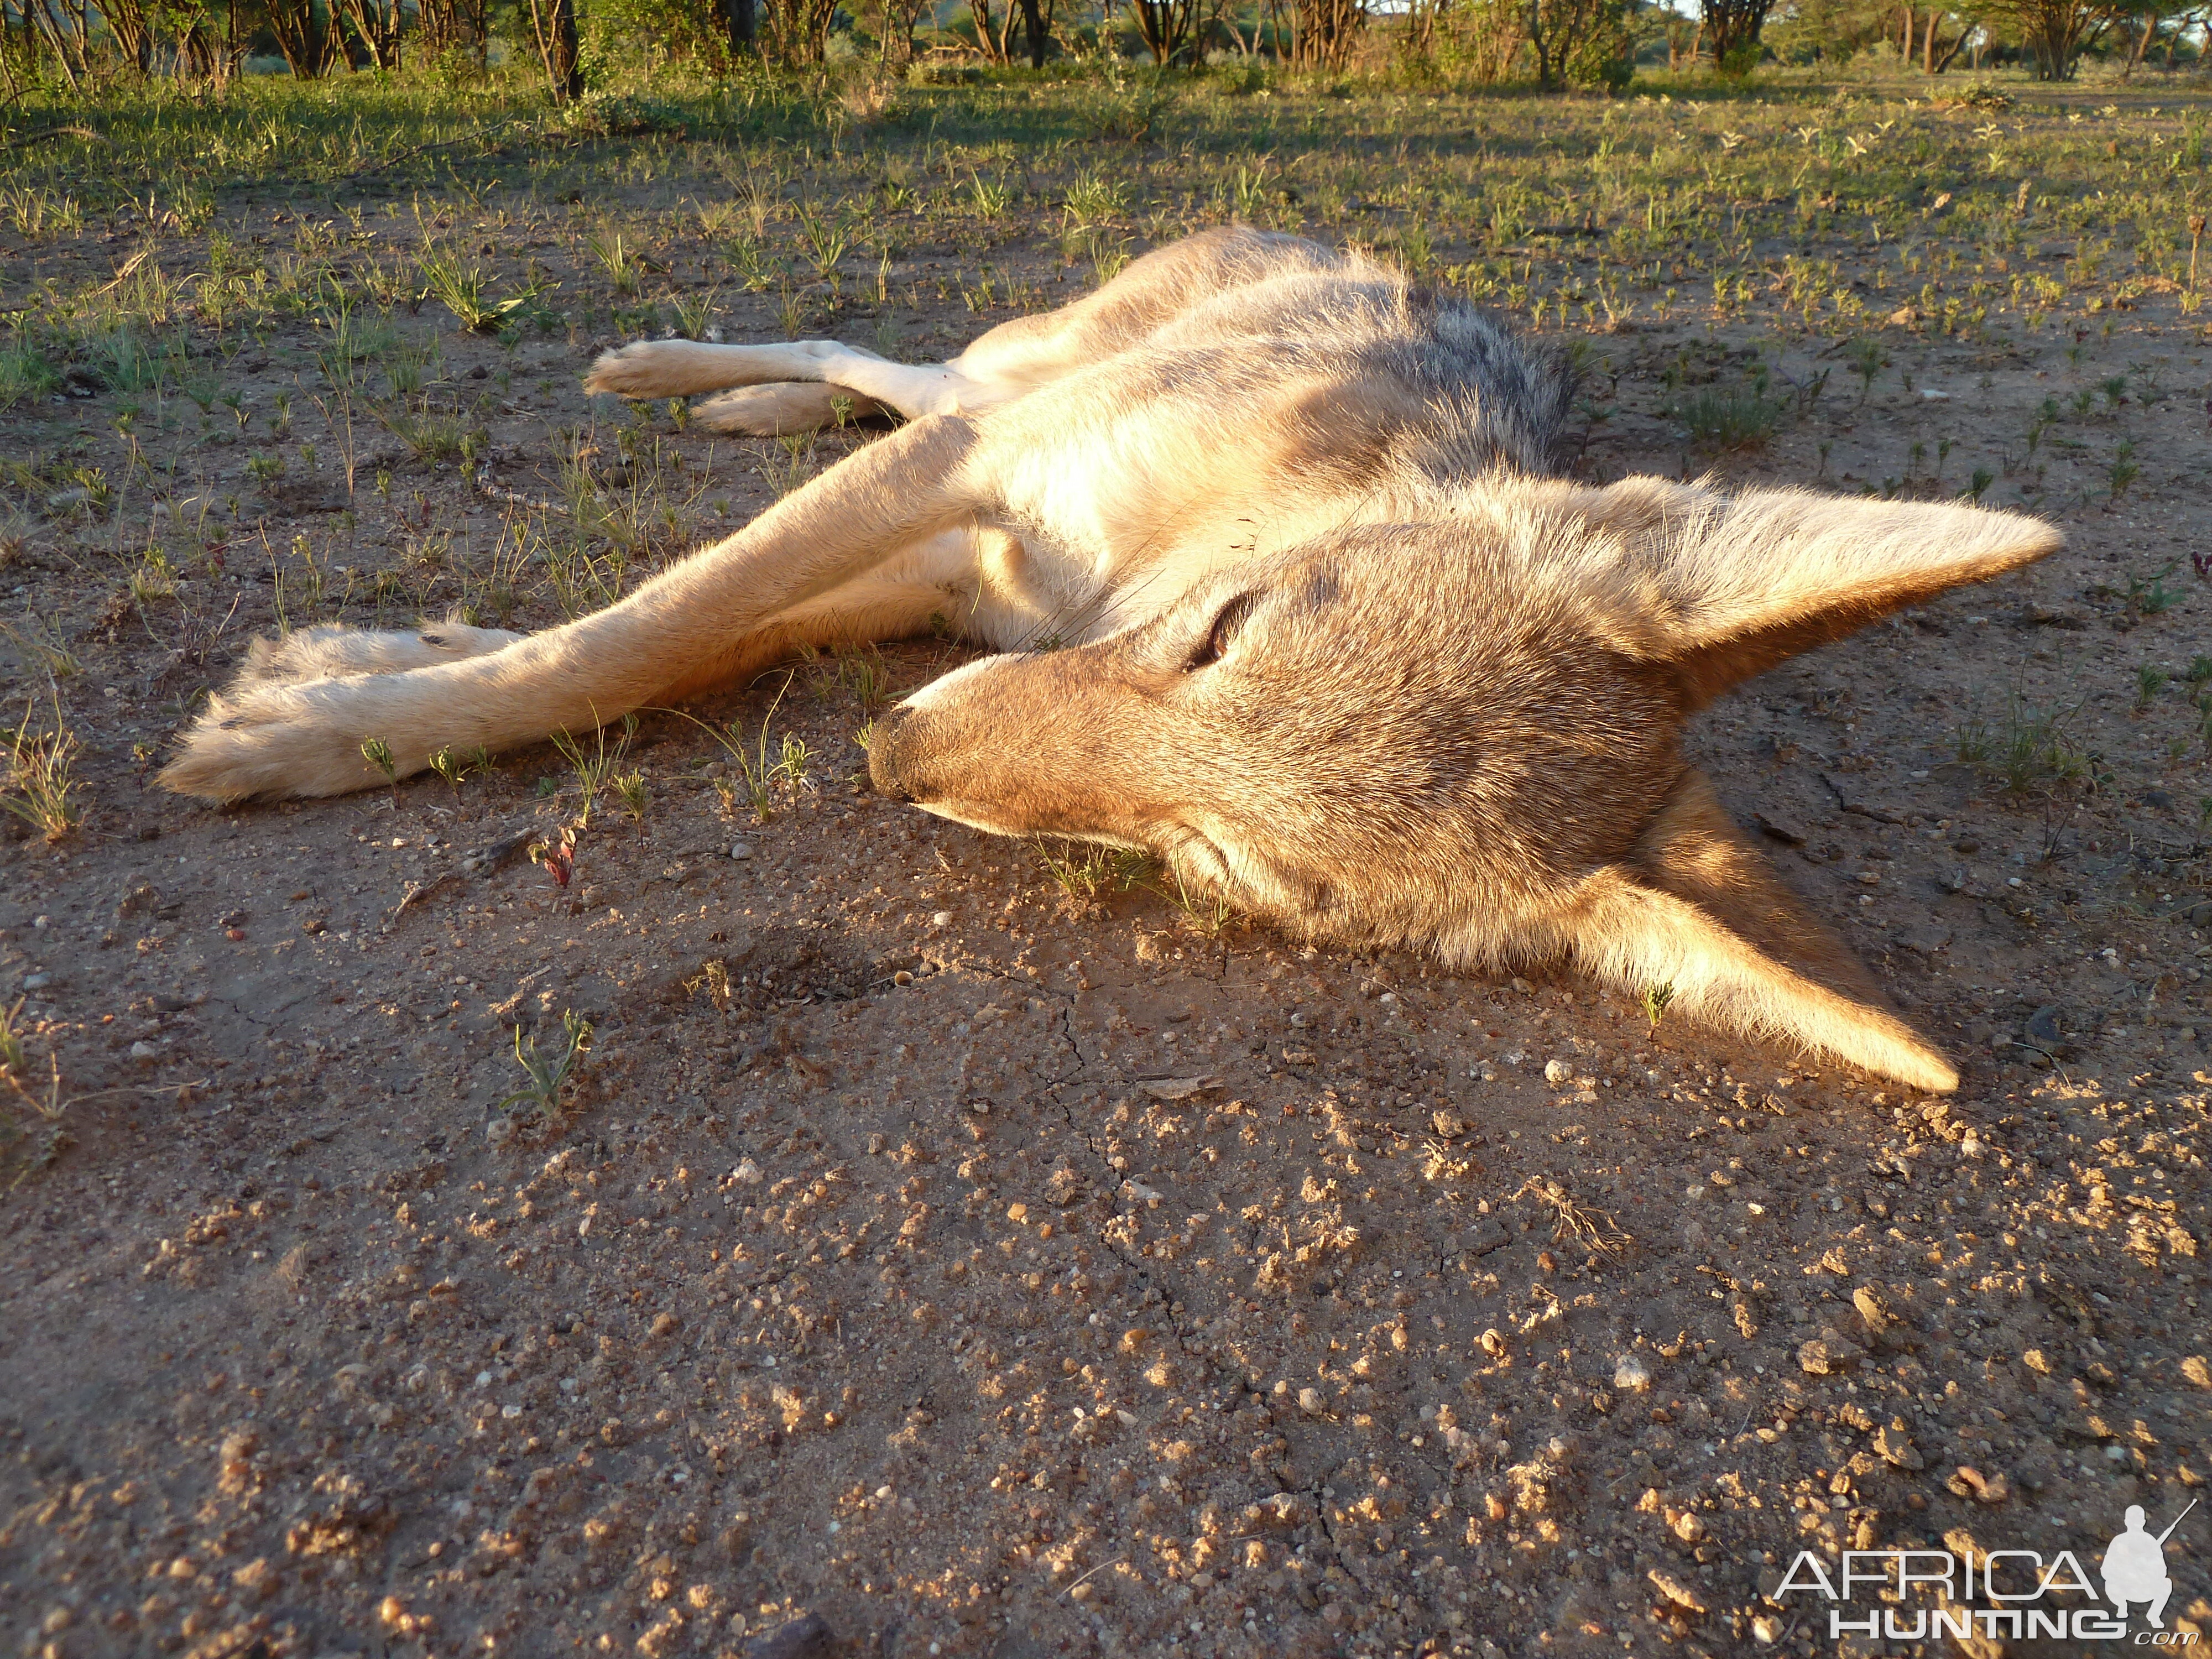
[980, 1265]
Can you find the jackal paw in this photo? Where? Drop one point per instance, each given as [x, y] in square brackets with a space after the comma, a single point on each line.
[267, 742]
[333, 651]
[781, 406]
[640, 369]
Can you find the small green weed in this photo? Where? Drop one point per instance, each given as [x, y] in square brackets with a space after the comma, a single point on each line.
[39, 783]
[548, 1070]
[596, 770]
[1083, 871]
[2031, 749]
[1729, 420]
[2149, 596]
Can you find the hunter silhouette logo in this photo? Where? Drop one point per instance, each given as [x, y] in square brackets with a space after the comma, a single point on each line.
[2135, 1566]
[2021, 1591]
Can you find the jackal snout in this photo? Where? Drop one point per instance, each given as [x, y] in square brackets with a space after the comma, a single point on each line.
[1023, 743]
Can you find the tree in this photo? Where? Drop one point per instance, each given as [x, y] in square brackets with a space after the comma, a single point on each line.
[737, 25]
[553, 26]
[899, 19]
[1165, 26]
[1323, 32]
[443, 27]
[1923, 36]
[303, 35]
[1731, 30]
[995, 29]
[2143, 19]
[375, 26]
[1584, 42]
[1489, 35]
[797, 32]
[2056, 32]
[1038, 29]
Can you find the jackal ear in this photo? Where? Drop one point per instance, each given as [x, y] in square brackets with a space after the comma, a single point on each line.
[1728, 585]
[1695, 916]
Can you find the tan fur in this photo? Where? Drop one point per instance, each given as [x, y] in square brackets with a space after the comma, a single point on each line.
[1287, 596]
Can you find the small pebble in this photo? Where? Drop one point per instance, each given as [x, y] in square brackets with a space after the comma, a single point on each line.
[500, 1131]
[1557, 1072]
[1675, 1590]
[801, 1639]
[942, 918]
[1310, 1403]
[741, 850]
[1631, 1374]
[143, 1051]
[1826, 1355]
[1871, 1309]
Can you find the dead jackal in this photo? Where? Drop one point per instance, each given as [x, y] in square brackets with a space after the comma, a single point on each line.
[1285, 594]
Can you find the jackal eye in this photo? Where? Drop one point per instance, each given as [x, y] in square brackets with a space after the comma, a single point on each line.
[1227, 622]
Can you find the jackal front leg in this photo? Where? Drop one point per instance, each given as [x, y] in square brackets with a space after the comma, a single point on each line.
[704, 620]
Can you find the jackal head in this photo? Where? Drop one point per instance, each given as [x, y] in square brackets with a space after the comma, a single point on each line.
[1463, 732]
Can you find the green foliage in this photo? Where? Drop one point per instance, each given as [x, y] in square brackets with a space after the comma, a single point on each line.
[648, 35]
[24, 373]
[2149, 596]
[1604, 59]
[549, 1068]
[2030, 747]
[1729, 420]
[1583, 43]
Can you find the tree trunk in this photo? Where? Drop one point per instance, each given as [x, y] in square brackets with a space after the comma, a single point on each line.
[2141, 45]
[1033, 27]
[65, 37]
[553, 23]
[1949, 54]
[301, 36]
[572, 50]
[990, 35]
[738, 23]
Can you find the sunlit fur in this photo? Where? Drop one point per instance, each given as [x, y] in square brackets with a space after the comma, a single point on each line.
[1287, 591]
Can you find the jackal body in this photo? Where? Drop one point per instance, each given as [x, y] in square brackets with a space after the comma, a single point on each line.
[1286, 590]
